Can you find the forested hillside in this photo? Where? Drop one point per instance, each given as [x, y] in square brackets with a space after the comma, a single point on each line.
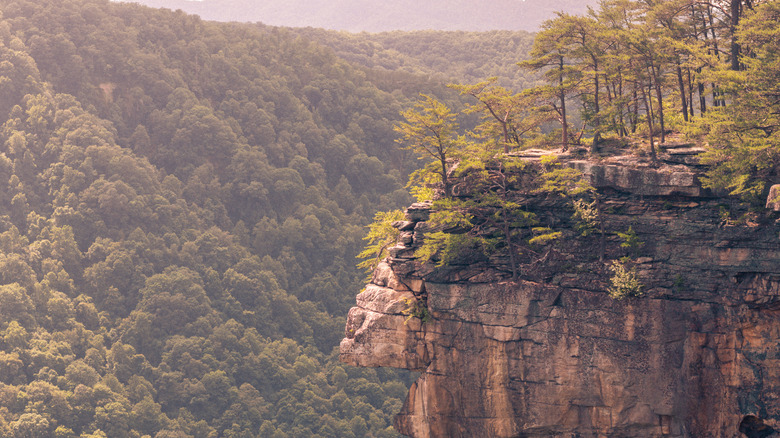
[383, 15]
[463, 57]
[182, 204]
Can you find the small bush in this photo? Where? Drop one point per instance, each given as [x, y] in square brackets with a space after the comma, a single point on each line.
[586, 217]
[416, 308]
[631, 241]
[624, 282]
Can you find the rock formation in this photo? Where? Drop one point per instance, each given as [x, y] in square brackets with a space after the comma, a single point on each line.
[553, 355]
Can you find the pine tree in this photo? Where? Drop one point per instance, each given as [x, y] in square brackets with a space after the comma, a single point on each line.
[431, 131]
[744, 136]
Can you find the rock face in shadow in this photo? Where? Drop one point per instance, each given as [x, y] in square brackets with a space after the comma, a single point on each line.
[553, 355]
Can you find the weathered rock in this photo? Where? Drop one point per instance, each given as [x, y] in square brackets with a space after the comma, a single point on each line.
[401, 251]
[419, 211]
[773, 200]
[403, 225]
[552, 355]
[372, 333]
[666, 181]
[406, 237]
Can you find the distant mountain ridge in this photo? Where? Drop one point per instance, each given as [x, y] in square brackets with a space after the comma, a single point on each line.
[380, 16]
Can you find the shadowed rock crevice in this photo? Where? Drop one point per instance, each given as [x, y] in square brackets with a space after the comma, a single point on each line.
[753, 427]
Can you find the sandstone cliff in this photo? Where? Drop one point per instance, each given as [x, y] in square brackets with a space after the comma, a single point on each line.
[553, 355]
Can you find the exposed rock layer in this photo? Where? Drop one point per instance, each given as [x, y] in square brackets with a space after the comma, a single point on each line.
[552, 355]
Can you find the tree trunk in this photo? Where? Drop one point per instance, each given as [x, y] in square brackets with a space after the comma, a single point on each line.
[444, 180]
[506, 136]
[715, 94]
[609, 102]
[689, 82]
[659, 96]
[699, 84]
[635, 112]
[649, 110]
[597, 118]
[690, 91]
[681, 84]
[622, 109]
[702, 97]
[736, 12]
[564, 122]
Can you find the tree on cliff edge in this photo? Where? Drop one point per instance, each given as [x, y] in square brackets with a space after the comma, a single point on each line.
[431, 131]
[744, 136]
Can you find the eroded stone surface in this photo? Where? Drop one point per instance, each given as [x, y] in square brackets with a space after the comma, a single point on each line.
[773, 200]
[669, 180]
[552, 355]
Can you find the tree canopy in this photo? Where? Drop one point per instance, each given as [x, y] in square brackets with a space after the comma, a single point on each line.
[182, 204]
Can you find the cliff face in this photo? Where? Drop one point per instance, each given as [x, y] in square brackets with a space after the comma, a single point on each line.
[553, 355]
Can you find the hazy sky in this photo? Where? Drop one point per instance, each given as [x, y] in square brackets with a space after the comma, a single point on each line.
[382, 15]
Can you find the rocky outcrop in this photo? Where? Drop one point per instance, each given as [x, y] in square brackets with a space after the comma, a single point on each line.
[553, 355]
[773, 200]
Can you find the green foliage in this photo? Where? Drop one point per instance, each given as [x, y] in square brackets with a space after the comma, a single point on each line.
[624, 282]
[433, 244]
[464, 57]
[664, 65]
[416, 308]
[182, 202]
[586, 216]
[507, 117]
[679, 284]
[742, 135]
[544, 235]
[488, 215]
[430, 131]
[381, 235]
[630, 241]
[453, 249]
[421, 192]
[550, 55]
[561, 180]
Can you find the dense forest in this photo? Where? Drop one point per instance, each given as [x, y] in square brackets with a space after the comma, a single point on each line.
[634, 73]
[462, 57]
[183, 201]
[382, 15]
[705, 70]
[182, 204]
